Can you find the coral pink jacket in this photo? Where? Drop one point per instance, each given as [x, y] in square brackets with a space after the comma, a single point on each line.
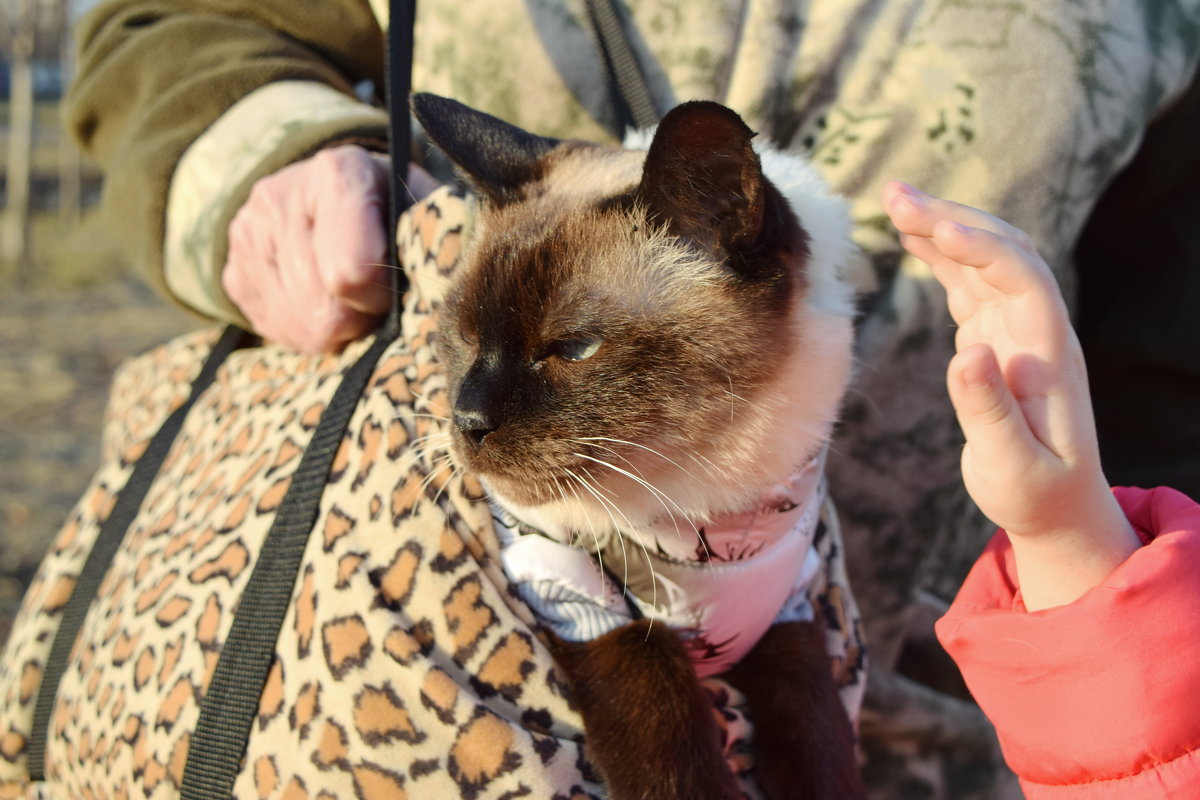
[1099, 699]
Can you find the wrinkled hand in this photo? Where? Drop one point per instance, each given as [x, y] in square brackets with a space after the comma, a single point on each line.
[307, 250]
[1019, 387]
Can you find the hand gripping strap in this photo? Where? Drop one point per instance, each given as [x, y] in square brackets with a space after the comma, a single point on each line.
[229, 706]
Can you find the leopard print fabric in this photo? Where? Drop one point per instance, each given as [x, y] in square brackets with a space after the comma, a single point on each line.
[405, 668]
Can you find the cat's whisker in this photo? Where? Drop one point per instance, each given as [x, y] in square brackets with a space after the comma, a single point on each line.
[859, 365]
[699, 536]
[674, 518]
[441, 434]
[707, 464]
[613, 451]
[650, 450]
[421, 449]
[434, 471]
[634, 532]
[383, 264]
[445, 279]
[438, 428]
[653, 489]
[438, 441]
[590, 442]
[854, 390]
[432, 464]
[736, 396]
[611, 507]
[591, 527]
[426, 400]
[432, 455]
[658, 494]
[456, 473]
[609, 501]
[423, 278]
[423, 415]
[428, 452]
[607, 506]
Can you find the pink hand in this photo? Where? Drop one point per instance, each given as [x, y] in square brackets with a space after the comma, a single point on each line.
[306, 251]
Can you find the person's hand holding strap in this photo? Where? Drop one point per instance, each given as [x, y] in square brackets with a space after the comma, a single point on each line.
[307, 250]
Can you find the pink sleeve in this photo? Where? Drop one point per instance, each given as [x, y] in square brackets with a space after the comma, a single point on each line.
[1099, 699]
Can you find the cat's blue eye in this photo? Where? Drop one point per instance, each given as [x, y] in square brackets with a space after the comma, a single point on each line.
[576, 349]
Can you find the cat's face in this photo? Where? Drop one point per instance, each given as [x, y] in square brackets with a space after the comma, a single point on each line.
[628, 335]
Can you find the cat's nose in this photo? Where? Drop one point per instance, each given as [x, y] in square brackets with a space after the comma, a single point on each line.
[473, 424]
[478, 408]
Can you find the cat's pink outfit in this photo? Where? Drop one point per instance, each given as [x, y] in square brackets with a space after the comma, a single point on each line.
[721, 584]
[1099, 699]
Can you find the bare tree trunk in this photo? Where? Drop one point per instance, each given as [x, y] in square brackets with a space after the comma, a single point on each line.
[20, 142]
[69, 201]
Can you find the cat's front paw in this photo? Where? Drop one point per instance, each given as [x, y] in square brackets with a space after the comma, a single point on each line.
[648, 723]
[804, 744]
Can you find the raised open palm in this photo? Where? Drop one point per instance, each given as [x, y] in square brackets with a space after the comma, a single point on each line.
[1018, 381]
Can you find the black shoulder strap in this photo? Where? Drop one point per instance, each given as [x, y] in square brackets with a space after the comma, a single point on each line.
[627, 86]
[112, 532]
[231, 702]
[230, 705]
[399, 55]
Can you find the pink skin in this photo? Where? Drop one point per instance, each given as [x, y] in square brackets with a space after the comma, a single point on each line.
[307, 249]
[1019, 388]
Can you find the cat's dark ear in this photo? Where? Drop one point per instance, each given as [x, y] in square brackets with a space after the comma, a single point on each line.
[496, 157]
[703, 175]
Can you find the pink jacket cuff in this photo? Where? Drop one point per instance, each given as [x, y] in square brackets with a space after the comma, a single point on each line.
[1099, 698]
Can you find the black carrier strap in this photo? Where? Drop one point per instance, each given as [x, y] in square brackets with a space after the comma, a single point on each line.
[112, 533]
[231, 702]
[628, 90]
[230, 705]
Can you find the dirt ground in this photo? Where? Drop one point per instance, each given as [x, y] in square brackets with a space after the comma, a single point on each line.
[58, 349]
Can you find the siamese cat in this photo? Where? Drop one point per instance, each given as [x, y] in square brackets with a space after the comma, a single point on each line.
[645, 352]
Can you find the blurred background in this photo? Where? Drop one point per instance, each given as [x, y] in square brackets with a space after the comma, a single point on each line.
[71, 309]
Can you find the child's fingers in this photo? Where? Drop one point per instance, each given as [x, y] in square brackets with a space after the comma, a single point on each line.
[948, 271]
[1000, 263]
[950, 274]
[990, 416]
[916, 213]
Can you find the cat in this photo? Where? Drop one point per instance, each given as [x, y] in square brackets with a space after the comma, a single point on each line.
[646, 352]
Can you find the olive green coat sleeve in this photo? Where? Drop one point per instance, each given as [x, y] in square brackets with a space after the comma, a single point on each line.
[155, 74]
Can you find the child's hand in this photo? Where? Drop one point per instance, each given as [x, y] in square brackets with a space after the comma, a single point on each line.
[1019, 388]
